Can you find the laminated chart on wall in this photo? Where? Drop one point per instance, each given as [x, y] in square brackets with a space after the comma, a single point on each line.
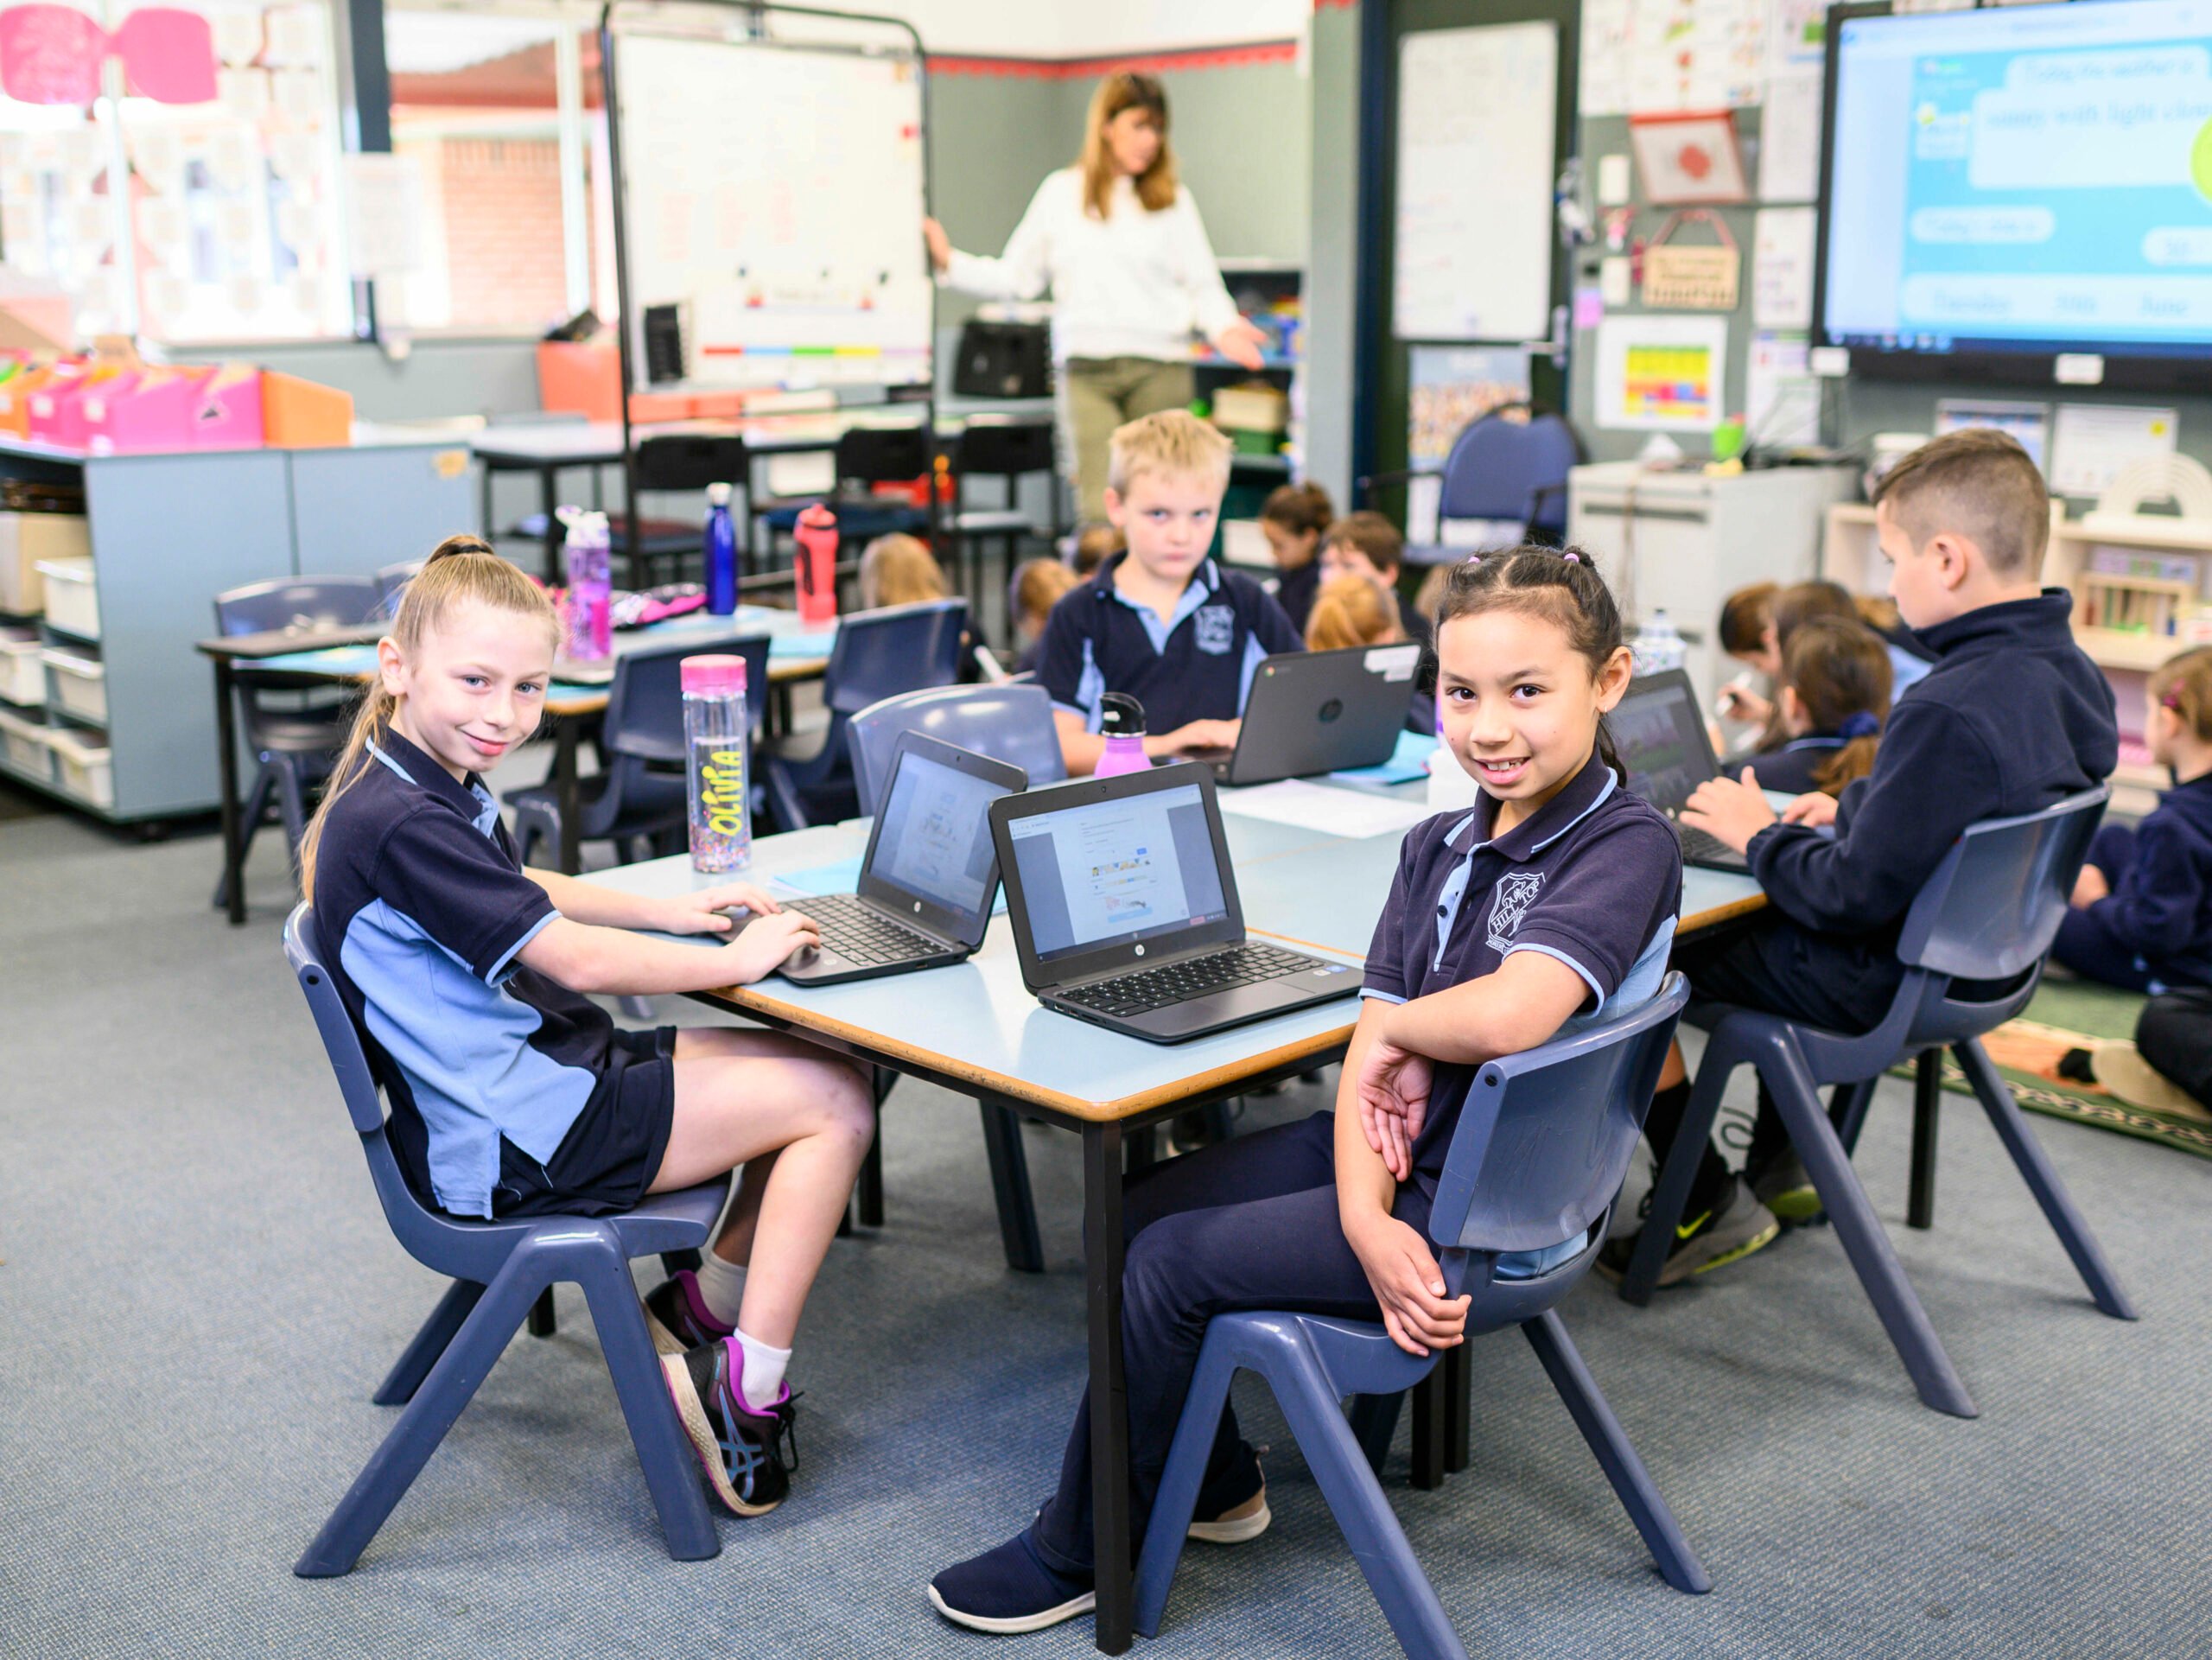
[1651, 57]
[1662, 373]
[774, 196]
[1476, 109]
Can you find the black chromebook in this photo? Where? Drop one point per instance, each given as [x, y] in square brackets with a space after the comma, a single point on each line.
[1313, 712]
[1125, 913]
[1659, 734]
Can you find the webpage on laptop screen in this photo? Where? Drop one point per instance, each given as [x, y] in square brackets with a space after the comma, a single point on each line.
[936, 835]
[1115, 872]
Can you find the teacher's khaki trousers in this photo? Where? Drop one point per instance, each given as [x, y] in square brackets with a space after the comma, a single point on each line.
[1098, 394]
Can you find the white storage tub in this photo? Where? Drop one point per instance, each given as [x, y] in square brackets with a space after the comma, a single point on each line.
[24, 743]
[79, 682]
[81, 765]
[23, 675]
[73, 602]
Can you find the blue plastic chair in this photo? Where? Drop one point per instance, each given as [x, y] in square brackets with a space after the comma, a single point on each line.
[1008, 723]
[391, 582]
[1509, 465]
[294, 728]
[1542, 1145]
[1987, 915]
[639, 800]
[877, 654]
[499, 1269]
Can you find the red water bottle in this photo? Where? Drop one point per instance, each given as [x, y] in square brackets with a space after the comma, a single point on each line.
[817, 568]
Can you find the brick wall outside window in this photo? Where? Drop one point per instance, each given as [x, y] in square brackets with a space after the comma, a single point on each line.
[503, 230]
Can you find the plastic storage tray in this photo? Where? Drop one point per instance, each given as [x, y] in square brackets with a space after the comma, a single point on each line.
[23, 675]
[81, 765]
[79, 683]
[73, 602]
[24, 743]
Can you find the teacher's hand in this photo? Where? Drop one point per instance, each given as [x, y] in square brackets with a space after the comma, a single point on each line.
[1240, 342]
[940, 244]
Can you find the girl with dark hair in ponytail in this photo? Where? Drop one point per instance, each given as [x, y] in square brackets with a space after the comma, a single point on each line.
[1555, 896]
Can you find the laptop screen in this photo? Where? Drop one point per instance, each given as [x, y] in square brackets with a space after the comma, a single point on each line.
[934, 843]
[1112, 873]
[1660, 740]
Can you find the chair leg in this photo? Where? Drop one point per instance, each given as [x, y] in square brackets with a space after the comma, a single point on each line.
[1672, 1191]
[1374, 1419]
[422, 1352]
[869, 1190]
[675, 1262]
[1432, 1428]
[292, 805]
[1009, 1160]
[544, 1322]
[1872, 1257]
[2035, 1168]
[448, 1388]
[1927, 1110]
[671, 1467]
[1854, 1115]
[1180, 1480]
[255, 808]
[1632, 1482]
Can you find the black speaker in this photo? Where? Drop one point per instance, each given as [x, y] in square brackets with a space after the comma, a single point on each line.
[1002, 360]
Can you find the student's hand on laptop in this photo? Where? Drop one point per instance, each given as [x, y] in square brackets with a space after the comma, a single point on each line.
[1194, 735]
[1814, 811]
[1401, 1270]
[702, 913]
[767, 943]
[1730, 812]
[1392, 1087]
[2090, 886]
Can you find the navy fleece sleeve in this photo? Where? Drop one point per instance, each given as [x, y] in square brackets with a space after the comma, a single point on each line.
[2154, 909]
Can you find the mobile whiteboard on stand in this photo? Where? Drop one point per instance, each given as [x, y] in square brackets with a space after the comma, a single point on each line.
[768, 167]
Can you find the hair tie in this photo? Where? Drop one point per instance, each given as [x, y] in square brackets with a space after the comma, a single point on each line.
[1572, 556]
[1473, 559]
[1859, 724]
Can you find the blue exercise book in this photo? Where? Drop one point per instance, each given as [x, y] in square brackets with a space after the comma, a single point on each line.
[1409, 761]
[843, 876]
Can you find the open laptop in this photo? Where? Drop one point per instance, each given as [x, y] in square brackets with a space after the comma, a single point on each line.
[1319, 712]
[1125, 913]
[930, 875]
[1659, 734]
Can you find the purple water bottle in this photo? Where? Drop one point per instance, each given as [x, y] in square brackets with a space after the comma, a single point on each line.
[715, 734]
[591, 587]
[1120, 721]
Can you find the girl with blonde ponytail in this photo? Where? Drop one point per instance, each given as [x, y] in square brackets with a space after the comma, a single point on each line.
[510, 1092]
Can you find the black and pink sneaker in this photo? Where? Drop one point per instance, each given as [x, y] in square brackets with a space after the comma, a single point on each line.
[677, 1315]
[747, 1452]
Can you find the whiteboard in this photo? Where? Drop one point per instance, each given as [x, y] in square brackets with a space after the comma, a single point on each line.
[1476, 111]
[775, 195]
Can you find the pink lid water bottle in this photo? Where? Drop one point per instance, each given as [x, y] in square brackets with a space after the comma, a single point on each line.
[589, 552]
[817, 568]
[1120, 721]
[715, 733]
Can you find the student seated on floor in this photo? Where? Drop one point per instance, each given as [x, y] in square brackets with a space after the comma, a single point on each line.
[1834, 693]
[1161, 622]
[1036, 587]
[1556, 896]
[2142, 912]
[510, 1092]
[1292, 519]
[2011, 718]
[1366, 544]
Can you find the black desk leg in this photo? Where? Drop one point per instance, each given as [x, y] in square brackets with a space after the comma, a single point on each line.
[1927, 1106]
[548, 488]
[1109, 1399]
[227, 745]
[1430, 1431]
[565, 793]
[1458, 1384]
[1009, 1160]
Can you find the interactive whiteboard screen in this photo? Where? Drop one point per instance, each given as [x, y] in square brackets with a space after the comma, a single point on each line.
[774, 195]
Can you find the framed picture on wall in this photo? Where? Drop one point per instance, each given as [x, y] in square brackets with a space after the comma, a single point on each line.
[1689, 158]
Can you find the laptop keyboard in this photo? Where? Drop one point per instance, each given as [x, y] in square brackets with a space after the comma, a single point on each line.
[1704, 847]
[859, 935]
[1146, 990]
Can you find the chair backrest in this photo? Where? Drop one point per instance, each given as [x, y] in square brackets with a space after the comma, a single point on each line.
[1012, 724]
[898, 648]
[1993, 905]
[883, 454]
[1002, 447]
[298, 602]
[392, 582]
[1545, 1136]
[691, 461]
[1504, 467]
[644, 703]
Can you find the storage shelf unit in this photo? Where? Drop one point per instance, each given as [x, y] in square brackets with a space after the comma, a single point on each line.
[168, 532]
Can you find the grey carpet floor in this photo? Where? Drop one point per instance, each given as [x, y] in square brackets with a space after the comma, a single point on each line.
[197, 1295]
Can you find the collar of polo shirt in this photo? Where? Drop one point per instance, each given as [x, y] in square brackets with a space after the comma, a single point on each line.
[472, 801]
[1584, 792]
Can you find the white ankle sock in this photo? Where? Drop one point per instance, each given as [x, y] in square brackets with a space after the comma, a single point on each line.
[764, 1370]
[722, 1286]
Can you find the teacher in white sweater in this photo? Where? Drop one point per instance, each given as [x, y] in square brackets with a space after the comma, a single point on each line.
[1120, 244]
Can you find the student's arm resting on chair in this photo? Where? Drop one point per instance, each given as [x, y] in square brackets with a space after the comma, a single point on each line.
[1400, 1266]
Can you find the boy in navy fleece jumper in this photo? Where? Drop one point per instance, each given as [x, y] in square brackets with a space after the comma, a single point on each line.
[2011, 718]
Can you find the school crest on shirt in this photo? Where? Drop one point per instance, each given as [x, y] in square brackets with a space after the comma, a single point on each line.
[1216, 627]
[1510, 901]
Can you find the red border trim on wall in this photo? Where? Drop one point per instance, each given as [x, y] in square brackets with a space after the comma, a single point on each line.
[1209, 57]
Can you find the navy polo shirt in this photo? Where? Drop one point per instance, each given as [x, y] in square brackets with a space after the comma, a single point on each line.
[1595, 880]
[420, 908]
[1195, 663]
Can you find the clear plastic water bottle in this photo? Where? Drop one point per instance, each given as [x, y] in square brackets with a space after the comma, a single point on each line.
[1121, 720]
[591, 587]
[721, 574]
[717, 774]
[1660, 645]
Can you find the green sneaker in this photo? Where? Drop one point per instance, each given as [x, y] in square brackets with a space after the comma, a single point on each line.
[1782, 1187]
[1733, 1229]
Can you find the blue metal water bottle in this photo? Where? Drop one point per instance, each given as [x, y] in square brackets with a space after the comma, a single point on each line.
[721, 574]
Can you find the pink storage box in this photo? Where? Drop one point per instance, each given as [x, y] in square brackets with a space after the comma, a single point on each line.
[57, 414]
[226, 407]
[150, 411]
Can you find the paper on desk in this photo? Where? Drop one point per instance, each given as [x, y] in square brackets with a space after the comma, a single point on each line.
[801, 647]
[1409, 761]
[843, 876]
[1316, 807]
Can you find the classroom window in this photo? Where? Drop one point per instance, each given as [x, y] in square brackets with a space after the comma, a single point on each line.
[493, 111]
[230, 228]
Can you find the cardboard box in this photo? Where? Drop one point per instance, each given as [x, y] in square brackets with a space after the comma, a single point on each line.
[298, 414]
[26, 539]
[585, 378]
